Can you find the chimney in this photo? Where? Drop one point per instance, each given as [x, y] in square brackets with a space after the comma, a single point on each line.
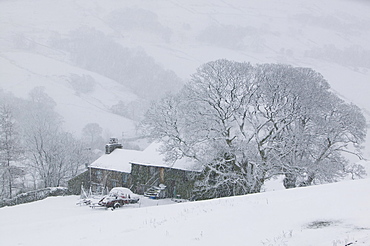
[112, 145]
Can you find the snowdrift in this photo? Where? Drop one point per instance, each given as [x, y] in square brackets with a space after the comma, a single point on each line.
[334, 214]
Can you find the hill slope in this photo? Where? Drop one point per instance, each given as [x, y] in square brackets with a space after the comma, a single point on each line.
[332, 37]
[333, 214]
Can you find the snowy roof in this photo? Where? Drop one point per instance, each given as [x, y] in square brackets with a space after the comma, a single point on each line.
[121, 160]
[152, 157]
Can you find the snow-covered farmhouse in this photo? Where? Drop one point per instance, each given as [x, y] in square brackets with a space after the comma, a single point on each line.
[139, 171]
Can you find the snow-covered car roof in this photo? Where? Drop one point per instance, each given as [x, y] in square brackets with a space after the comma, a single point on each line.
[121, 191]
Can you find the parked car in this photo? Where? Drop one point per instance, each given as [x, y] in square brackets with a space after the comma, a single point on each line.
[117, 197]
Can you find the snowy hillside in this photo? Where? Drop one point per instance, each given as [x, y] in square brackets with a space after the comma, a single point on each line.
[95, 56]
[328, 215]
[36, 36]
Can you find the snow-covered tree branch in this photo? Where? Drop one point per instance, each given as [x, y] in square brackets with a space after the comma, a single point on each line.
[246, 124]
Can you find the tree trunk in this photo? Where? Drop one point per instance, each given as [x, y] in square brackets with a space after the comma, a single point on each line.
[290, 181]
[10, 188]
[308, 181]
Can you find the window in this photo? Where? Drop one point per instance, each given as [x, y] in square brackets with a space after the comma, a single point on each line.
[124, 178]
[152, 170]
[99, 175]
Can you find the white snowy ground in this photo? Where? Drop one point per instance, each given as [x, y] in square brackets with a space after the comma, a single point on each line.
[332, 215]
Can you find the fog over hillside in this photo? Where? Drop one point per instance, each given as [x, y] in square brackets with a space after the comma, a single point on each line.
[104, 61]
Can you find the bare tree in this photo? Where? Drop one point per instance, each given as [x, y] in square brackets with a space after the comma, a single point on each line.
[307, 137]
[92, 133]
[34, 146]
[206, 122]
[51, 152]
[55, 155]
[247, 123]
[10, 151]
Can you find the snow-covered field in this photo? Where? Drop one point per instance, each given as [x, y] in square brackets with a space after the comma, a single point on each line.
[335, 214]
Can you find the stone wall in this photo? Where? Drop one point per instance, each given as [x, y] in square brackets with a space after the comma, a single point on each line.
[35, 196]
